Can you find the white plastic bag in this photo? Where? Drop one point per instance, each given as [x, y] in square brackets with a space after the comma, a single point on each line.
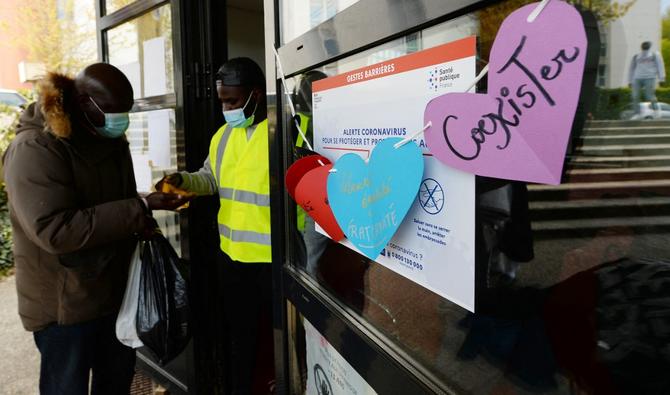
[126, 331]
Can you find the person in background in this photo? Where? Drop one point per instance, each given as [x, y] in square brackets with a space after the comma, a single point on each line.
[646, 69]
[303, 106]
[237, 169]
[76, 215]
[315, 243]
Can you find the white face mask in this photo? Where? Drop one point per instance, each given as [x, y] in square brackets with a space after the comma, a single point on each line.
[236, 117]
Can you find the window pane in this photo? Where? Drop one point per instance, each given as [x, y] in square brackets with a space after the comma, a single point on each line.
[142, 49]
[153, 147]
[571, 278]
[299, 16]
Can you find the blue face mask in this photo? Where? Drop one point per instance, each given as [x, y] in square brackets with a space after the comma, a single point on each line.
[115, 126]
[236, 117]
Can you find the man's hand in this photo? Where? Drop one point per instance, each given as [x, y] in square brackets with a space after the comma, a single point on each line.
[173, 179]
[166, 201]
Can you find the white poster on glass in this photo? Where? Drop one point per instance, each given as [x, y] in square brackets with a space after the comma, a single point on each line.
[435, 245]
[155, 74]
[327, 371]
[132, 72]
[142, 169]
[158, 125]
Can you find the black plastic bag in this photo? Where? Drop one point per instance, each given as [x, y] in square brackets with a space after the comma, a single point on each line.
[163, 309]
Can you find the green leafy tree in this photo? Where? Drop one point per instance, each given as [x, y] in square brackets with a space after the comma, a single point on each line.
[6, 257]
[9, 116]
[59, 34]
[492, 17]
[8, 119]
[605, 10]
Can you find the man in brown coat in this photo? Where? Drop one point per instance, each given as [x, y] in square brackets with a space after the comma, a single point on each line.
[76, 215]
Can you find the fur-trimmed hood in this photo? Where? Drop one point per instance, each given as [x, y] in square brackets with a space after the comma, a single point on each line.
[51, 117]
[55, 97]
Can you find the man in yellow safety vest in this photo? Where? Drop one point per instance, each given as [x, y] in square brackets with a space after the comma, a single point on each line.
[237, 169]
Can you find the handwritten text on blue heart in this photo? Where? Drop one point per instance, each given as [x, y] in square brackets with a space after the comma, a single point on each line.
[370, 200]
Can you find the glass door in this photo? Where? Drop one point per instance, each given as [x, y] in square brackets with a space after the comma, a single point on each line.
[170, 50]
[141, 38]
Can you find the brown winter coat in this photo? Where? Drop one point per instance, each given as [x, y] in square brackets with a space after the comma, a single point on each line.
[74, 210]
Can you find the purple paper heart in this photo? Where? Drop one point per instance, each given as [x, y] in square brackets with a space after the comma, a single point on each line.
[520, 129]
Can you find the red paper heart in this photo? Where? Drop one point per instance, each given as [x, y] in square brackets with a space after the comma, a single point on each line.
[311, 194]
[299, 168]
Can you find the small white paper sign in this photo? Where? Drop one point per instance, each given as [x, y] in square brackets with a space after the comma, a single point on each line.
[155, 81]
[158, 125]
[142, 169]
[132, 72]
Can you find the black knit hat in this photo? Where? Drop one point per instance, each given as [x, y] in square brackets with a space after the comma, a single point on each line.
[241, 72]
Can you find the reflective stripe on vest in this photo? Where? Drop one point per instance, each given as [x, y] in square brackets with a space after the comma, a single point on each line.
[245, 197]
[244, 235]
[220, 149]
[241, 170]
[304, 123]
[300, 213]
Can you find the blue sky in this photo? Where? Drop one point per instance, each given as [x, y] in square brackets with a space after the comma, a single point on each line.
[664, 5]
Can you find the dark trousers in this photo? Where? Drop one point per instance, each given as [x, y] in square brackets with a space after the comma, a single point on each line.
[247, 293]
[70, 352]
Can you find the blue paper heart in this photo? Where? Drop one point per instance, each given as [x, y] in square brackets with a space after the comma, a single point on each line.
[370, 200]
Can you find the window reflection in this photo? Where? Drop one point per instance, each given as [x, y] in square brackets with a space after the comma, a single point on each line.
[153, 146]
[142, 49]
[312, 243]
[573, 279]
[298, 17]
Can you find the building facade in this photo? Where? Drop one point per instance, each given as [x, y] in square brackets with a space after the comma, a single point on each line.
[10, 53]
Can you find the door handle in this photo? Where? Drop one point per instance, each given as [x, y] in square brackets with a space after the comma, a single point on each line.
[208, 80]
[197, 72]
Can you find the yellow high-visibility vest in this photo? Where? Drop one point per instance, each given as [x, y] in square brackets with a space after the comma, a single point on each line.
[304, 122]
[241, 169]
